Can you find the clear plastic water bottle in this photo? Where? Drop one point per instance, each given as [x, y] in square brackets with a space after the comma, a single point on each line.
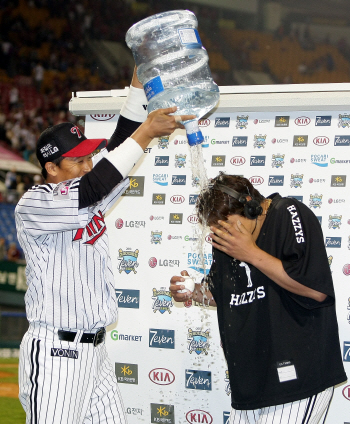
[173, 66]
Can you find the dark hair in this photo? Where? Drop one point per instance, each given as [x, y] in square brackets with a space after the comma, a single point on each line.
[56, 162]
[213, 204]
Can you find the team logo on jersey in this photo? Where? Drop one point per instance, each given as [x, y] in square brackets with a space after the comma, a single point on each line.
[161, 161]
[296, 180]
[136, 187]
[161, 376]
[242, 122]
[218, 160]
[128, 261]
[161, 413]
[126, 373]
[277, 160]
[162, 300]
[94, 229]
[161, 338]
[61, 191]
[334, 221]
[259, 141]
[198, 416]
[198, 341]
[64, 353]
[180, 161]
[227, 383]
[128, 298]
[338, 181]
[156, 237]
[282, 121]
[163, 142]
[344, 120]
[315, 200]
[198, 380]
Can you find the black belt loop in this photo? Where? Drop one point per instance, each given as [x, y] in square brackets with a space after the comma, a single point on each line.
[95, 338]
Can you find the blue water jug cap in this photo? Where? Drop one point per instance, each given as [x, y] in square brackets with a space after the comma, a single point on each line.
[195, 138]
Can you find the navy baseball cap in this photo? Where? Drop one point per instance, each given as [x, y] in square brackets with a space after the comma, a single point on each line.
[65, 140]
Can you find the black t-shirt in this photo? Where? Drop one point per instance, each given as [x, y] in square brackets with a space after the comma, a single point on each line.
[279, 347]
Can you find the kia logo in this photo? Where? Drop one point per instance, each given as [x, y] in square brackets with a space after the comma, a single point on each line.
[102, 117]
[177, 199]
[346, 392]
[152, 262]
[204, 122]
[198, 416]
[256, 180]
[237, 160]
[302, 121]
[119, 223]
[321, 141]
[193, 219]
[161, 376]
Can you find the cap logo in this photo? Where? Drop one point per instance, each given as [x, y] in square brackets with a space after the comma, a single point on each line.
[76, 130]
[48, 150]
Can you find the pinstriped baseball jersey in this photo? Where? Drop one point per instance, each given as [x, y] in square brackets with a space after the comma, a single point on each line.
[69, 273]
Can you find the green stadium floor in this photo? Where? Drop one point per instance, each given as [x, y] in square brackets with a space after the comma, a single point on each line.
[11, 411]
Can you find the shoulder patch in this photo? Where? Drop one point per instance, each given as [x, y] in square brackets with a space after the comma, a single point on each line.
[62, 190]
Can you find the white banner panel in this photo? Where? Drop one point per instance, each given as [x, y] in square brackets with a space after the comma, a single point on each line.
[167, 356]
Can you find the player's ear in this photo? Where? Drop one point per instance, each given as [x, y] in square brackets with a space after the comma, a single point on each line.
[51, 169]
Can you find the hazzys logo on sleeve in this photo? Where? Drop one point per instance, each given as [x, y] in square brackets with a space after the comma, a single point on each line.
[333, 242]
[160, 338]
[257, 160]
[127, 298]
[222, 122]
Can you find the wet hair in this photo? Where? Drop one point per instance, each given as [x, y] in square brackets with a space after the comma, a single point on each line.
[56, 162]
[213, 204]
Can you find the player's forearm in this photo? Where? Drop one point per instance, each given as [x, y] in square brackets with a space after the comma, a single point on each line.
[273, 269]
[203, 296]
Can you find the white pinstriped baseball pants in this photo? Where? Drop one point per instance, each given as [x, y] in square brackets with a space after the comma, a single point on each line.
[58, 389]
[312, 410]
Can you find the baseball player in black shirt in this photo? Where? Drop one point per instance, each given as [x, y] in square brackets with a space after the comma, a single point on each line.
[273, 289]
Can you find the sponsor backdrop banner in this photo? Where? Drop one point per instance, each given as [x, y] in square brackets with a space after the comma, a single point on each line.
[167, 356]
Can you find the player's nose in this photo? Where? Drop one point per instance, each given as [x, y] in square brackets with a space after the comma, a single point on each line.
[86, 167]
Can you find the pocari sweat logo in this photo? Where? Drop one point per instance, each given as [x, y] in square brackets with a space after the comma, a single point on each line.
[320, 160]
[160, 179]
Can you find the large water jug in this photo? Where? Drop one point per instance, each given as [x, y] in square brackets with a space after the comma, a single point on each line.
[173, 66]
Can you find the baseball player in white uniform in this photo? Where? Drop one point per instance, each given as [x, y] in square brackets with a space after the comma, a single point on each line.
[65, 375]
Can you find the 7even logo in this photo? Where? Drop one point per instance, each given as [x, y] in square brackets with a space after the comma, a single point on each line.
[95, 228]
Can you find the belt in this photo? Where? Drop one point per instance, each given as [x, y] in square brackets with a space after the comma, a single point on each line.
[95, 338]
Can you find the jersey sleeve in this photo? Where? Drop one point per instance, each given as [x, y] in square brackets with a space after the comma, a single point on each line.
[51, 208]
[303, 254]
